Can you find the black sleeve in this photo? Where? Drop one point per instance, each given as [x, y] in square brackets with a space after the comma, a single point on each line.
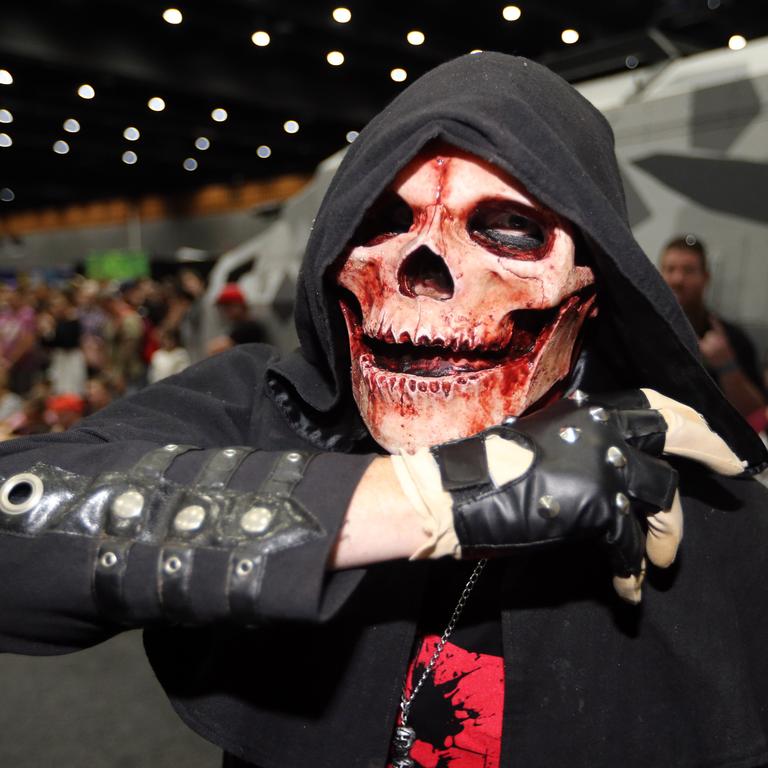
[746, 355]
[161, 511]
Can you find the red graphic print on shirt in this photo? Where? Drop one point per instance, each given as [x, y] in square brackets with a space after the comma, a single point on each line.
[457, 713]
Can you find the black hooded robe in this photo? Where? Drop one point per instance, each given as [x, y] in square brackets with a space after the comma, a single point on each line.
[315, 679]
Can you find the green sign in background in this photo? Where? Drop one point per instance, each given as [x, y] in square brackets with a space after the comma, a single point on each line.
[116, 264]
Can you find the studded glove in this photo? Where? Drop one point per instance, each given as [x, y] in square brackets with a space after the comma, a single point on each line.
[580, 469]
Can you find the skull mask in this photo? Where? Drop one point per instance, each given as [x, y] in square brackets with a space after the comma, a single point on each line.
[464, 301]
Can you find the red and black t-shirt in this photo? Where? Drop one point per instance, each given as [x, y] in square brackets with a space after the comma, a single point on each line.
[457, 713]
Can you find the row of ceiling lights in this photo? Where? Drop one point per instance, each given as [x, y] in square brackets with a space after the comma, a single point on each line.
[262, 38]
[342, 15]
[131, 133]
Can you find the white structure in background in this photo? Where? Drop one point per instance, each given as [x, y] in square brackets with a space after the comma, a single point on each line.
[691, 137]
[692, 140]
[269, 262]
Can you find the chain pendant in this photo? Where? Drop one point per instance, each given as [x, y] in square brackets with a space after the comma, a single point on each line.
[405, 736]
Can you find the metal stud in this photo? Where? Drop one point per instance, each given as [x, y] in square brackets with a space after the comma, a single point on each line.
[579, 397]
[598, 413]
[229, 452]
[244, 567]
[549, 506]
[293, 457]
[622, 503]
[108, 559]
[615, 457]
[171, 447]
[189, 519]
[128, 505]
[570, 434]
[510, 420]
[257, 519]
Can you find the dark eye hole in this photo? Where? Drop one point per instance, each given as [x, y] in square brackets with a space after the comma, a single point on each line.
[506, 229]
[390, 215]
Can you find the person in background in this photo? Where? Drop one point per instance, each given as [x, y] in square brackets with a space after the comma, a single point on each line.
[170, 358]
[10, 402]
[64, 411]
[18, 339]
[99, 393]
[125, 338]
[243, 329]
[728, 353]
[60, 332]
[187, 305]
[93, 321]
[30, 420]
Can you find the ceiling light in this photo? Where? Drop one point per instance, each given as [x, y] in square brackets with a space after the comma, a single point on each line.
[172, 16]
[737, 42]
[351, 136]
[190, 164]
[476, 50]
[156, 104]
[5, 140]
[398, 74]
[5, 116]
[130, 157]
[511, 12]
[6, 195]
[569, 36]
[263, 151]
[291, 126]
[131, 133]
[71, 125]
[202, 143]
[60, 147]
[335, 58]
[86, 91]
[6, 78]
[414, 37]
[260, 38]
[219, 115]
[342, 15]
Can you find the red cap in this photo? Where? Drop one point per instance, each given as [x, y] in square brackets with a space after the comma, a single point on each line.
[230, 294]
[65, 402]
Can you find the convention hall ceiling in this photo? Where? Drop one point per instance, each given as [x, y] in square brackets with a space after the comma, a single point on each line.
[292, 82]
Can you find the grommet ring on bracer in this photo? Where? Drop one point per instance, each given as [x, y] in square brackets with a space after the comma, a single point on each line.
[20, 493]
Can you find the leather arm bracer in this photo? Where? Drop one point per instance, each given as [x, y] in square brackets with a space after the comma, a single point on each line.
[163, 551]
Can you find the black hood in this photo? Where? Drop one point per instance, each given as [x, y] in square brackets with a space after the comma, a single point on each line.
[529, 122]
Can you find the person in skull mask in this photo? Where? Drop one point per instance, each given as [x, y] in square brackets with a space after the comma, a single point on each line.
[471, 262]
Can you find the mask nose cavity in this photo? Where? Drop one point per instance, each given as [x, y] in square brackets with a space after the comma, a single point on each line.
[424, 273]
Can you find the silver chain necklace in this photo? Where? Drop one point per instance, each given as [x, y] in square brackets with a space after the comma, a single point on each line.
[405, 736]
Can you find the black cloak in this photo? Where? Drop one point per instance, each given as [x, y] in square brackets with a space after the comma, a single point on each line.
[680, 681]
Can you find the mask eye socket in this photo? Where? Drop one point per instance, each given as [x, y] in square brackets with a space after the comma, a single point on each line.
[389, 216]
[507, 230]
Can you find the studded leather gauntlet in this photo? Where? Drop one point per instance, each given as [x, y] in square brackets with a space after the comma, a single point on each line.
[579, 469]
[159, 550]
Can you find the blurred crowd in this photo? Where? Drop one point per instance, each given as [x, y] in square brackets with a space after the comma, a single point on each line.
[68, 350]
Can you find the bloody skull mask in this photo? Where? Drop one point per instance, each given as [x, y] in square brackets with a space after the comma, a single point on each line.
[464, 301]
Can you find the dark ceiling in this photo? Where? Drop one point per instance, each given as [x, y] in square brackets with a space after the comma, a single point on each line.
[129, 54]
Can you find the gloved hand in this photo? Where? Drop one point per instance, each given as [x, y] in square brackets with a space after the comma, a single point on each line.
[579, 469]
